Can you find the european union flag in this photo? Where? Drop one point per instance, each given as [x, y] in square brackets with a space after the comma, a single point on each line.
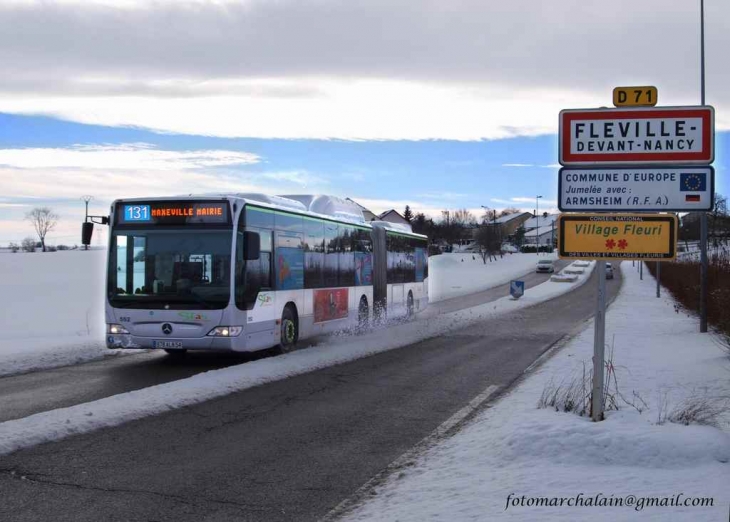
[692, 182]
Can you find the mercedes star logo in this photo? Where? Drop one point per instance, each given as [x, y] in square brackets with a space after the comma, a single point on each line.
[167, 328]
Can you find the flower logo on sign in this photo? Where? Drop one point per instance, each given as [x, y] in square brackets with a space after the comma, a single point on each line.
[610, 244]
[622, 244]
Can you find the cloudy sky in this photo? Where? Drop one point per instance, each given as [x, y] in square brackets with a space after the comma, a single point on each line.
[436, 104]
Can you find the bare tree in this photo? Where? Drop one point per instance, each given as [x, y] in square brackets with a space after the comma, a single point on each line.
[718, 219]
[44, 220]
[509, 210]
[488, 240]
[28, 244]
[463, 218]
[489, 215]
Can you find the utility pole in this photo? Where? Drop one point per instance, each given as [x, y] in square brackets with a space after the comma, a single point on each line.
[599, 343]
[703, 215]
[86, 200]
[537, 224]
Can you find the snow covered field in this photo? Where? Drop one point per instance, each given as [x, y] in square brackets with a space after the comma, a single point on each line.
[513, 449]
[56, 315]
[452, 275]
[115, 410]
[53, 311]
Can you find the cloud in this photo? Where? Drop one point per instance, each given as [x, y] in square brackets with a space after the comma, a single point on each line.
[385, 69]
[528, 199]
[441, 196]
[130, 156]
[297, 177]
[518, 165]
[356, 109]
[527, 202]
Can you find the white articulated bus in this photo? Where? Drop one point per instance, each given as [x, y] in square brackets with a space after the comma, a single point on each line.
[246, 272]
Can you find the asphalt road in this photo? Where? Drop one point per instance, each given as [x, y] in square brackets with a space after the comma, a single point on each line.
[288, 450]
[531, 279]
[26, 394]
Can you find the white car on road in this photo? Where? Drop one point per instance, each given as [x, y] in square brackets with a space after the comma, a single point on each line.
[545, 266]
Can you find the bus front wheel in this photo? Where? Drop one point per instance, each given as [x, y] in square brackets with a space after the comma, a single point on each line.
[289, 330]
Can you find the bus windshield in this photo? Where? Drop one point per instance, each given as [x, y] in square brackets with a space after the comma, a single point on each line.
[170, 269]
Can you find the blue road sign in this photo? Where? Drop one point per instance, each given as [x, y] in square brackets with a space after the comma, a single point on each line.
[517, 289]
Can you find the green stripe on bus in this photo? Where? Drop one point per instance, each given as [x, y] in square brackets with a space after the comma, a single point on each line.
[405, 235]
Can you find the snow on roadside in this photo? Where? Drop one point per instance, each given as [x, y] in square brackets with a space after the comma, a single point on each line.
[513, 448]
[453, 275]
[115, 410]
[55, 314]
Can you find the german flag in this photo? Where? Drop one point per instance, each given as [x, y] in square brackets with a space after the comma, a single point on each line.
[692, 198]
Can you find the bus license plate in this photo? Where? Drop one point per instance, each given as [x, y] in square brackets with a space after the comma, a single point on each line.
[168, 344]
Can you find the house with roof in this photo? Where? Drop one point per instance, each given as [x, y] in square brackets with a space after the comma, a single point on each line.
[511, 222]
[393, 216]
[541, 230]
[506, 225]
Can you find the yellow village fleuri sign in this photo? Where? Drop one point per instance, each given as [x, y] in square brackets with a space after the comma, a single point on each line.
[617, 236]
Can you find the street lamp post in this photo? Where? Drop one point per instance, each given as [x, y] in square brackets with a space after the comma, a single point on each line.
[537, 224]
[703, 214]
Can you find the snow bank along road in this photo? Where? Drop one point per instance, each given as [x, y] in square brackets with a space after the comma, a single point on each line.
[30, 393]
[287, 450]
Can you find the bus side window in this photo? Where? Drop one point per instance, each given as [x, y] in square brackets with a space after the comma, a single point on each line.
[332, 248]
[346, 256]
[313, 253]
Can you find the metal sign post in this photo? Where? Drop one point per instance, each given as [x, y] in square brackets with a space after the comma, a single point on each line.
[703, 215]
[658, 279]
[599, 344]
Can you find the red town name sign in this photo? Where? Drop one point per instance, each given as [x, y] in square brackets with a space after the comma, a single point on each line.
[665, 135]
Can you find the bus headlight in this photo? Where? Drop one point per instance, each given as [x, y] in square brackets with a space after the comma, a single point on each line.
[116, 329]
[226, 331]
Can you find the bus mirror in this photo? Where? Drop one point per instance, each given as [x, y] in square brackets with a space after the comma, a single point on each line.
[251, 246]
[87, 228]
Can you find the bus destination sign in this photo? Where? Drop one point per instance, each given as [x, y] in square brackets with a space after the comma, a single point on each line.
[617, 236]
[642, 135]
[645, 189]
[173, 213]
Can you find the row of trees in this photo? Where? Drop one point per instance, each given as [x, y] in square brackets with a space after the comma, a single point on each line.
[455, 225]
[30, 244]
[718, 223]
[43, 220]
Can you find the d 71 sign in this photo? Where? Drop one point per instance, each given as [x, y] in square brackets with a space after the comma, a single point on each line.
[667, 135]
